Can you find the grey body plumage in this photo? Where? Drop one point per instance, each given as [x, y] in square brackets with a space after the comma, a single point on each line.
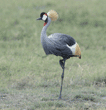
[56, 43]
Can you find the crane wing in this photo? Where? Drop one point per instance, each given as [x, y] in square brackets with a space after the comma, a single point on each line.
[62, 38]
[57, 44]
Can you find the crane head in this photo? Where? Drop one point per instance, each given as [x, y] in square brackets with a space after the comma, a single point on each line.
[43, 16]
[51, 14]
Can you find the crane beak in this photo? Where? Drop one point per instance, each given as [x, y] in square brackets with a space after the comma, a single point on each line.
[39, 18]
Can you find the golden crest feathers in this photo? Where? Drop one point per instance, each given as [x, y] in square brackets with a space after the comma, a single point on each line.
[53, 15]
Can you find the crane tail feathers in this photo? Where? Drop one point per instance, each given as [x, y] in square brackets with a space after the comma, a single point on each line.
[78, 51]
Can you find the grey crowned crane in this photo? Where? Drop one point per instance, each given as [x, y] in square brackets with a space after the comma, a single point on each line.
[58, 44]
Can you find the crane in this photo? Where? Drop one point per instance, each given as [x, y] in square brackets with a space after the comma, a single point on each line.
[58, 44]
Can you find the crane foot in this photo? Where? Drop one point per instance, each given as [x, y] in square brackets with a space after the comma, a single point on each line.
[59, 97]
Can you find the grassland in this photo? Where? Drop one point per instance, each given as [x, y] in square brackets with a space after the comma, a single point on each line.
[28, 79]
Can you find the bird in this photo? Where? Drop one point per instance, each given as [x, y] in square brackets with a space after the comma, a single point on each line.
[58, 44]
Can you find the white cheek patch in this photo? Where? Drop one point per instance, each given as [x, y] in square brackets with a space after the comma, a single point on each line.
[44, 17]
[72, 48]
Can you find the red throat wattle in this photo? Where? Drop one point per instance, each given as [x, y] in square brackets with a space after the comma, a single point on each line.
[45, 23]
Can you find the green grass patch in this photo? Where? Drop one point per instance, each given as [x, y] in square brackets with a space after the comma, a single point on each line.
[31, 80]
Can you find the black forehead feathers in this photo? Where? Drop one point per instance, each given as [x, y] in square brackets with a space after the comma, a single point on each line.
[42, 14]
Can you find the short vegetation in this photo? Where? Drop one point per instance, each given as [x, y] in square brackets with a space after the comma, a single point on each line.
[30, 80]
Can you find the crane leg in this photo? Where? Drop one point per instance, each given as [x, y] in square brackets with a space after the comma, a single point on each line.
[62, 64]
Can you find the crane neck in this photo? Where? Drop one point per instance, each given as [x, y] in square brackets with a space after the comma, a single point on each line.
[44, 38]
[43, 33]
